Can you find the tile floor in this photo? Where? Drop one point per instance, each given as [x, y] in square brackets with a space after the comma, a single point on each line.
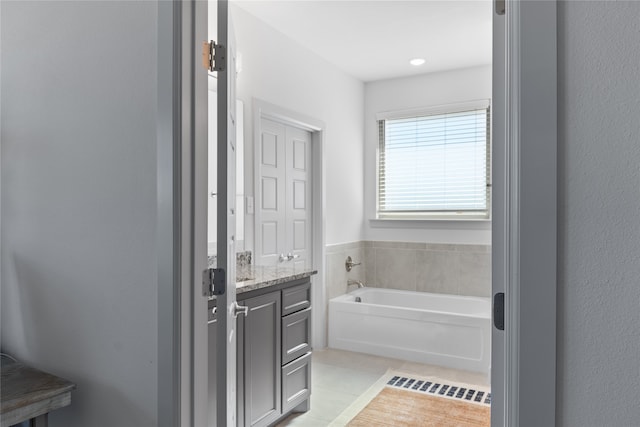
[339, 377]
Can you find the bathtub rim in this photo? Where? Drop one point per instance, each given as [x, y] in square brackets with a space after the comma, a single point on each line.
[349, 298]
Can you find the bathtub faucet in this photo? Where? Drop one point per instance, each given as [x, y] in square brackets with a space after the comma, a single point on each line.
[357, 283]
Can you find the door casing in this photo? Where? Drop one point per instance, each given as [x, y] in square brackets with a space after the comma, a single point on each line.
[283, 173]
[181, 134]
[525, 232]
[263, 109]
[528, 229]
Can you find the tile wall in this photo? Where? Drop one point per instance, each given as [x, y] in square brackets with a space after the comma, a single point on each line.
[336, 274]
[423, 267]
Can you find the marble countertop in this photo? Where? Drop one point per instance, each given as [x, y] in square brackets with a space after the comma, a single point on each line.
[262, 276]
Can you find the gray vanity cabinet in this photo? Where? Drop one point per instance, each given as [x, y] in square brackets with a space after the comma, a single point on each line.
[273, 354]
[259, 355]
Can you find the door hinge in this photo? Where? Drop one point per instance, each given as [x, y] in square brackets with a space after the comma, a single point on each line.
[214, 282]
[501, 6]
[214, 56]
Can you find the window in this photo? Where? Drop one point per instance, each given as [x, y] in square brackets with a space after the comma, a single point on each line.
[435, 164]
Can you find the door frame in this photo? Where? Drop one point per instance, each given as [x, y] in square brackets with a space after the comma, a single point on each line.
[524, 228]
[181, 251]
[263, 109]
[529, 225]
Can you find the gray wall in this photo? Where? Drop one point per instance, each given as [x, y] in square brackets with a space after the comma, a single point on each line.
[79, 281]
[598, 368]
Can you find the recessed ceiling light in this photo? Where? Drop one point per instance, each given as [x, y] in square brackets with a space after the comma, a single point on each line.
[417, 61]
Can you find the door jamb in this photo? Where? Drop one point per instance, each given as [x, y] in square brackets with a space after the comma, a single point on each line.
[529, 231]
[263, 109]
[533, 31]
[181, 137]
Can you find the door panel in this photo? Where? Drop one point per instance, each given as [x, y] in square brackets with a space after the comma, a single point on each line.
[269, 148]
[299, 194]
[298, 212]
[299, 234]
[270, 194]
[226, 226]
[300, 160]
[270, 231]
[269, 239]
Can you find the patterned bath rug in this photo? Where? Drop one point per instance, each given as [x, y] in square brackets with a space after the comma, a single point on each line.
[401, 399]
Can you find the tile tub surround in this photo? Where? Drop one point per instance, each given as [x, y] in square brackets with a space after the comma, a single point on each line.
[424, 267]
[427, 267]
[336, 275]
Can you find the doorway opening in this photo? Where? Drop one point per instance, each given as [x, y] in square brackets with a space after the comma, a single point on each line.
[523, 239]
[415, 254]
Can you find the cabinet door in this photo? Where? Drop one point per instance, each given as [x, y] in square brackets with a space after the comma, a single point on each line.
[261, 347]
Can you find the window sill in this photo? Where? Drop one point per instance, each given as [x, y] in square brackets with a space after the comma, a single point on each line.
[444, 223]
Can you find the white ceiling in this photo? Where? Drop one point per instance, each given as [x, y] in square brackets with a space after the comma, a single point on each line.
[374, 40]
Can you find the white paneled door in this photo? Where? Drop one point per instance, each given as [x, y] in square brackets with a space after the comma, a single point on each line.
[284, 215]
[298, 196]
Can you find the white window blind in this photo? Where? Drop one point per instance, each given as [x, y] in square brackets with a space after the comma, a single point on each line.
[435, 165]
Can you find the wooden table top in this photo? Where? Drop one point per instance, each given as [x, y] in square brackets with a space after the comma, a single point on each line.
[28, 392]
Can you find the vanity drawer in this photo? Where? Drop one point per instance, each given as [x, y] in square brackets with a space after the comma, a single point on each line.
[296, 335]
[296, 298]
[296, 382]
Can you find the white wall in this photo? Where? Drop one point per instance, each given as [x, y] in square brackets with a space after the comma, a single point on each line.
[416, 92]
[78, 131]
[281, 72]
[598, 369]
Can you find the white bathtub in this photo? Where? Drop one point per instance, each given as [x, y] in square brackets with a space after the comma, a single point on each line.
[445, 330]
